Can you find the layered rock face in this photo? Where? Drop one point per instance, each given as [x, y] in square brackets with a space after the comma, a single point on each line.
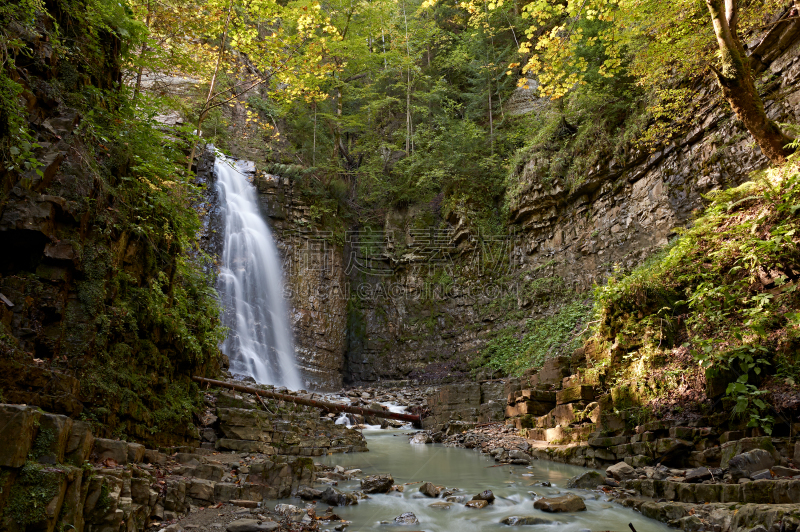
[80, 280]
[316, 287]
[47, 483]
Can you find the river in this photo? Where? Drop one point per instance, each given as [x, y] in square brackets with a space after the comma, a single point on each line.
[514, 486]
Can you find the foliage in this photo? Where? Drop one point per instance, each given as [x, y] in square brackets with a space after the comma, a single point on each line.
[33, 489]
[727, 286]
[560, 334]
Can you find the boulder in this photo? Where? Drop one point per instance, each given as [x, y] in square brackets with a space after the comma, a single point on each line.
[745, 464]
[135, 453]
[519, 457]
[334, 497]
[251, 525]
[309, 494]
[111, 450]
[764, 474]
[561, 503]
[429, 489]
[523, 520]
[19, 424]
[588, 480]
[377, 483]
[201, 491]
[621, 471]
[487, 496]
[407, 518]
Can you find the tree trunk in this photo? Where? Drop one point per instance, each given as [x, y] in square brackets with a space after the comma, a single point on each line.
[737, 84]
[206, 105]
[141, 55]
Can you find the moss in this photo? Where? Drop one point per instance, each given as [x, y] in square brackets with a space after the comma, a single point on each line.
[44, 441]
[35, 487]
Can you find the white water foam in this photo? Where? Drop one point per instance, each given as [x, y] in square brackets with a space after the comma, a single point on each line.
[259, 342]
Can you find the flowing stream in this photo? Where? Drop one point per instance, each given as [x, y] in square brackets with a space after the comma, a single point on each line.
[513, 485]
[250, 284]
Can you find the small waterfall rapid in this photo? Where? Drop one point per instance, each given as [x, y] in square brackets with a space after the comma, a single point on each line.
[250, 284]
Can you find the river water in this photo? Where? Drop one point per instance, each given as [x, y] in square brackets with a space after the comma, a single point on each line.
[471, 471]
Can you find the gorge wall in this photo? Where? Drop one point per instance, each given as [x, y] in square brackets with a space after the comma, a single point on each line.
[421, 298]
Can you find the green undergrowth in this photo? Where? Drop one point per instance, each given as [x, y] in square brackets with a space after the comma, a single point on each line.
[513, 350]
[718, 308]
[140, 315]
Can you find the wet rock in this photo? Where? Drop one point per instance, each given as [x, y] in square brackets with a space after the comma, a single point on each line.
[477, 504]
[519, 457]
[487, 496]
[407, 518]
[252, 525]
[562, 503]
[588, 480]
[377, 483]
[420, 438]
[429, 489]
[456, 498]
[745, 464]
[290, 511]
[621, 471]
[440, 505]
[334, 497]
[309, 494]
[523, 520]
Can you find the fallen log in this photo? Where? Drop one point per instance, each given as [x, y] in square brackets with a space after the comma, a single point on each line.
[324, 405]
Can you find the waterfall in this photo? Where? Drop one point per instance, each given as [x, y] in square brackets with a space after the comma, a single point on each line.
[250, 284]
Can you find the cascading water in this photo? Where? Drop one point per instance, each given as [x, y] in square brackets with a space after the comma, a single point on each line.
[250, 284]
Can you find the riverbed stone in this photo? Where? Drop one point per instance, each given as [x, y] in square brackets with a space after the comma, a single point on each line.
[377, 483]
[440, 505]
[407, 518]
[587, 480]
[477, 504]
[486, 495]
[334, 497]
[524, 520]
[519, 457]
[252, 525]
[562, 503]
[244, 446]
[307, 493]
[421, 438]
[429, 489]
